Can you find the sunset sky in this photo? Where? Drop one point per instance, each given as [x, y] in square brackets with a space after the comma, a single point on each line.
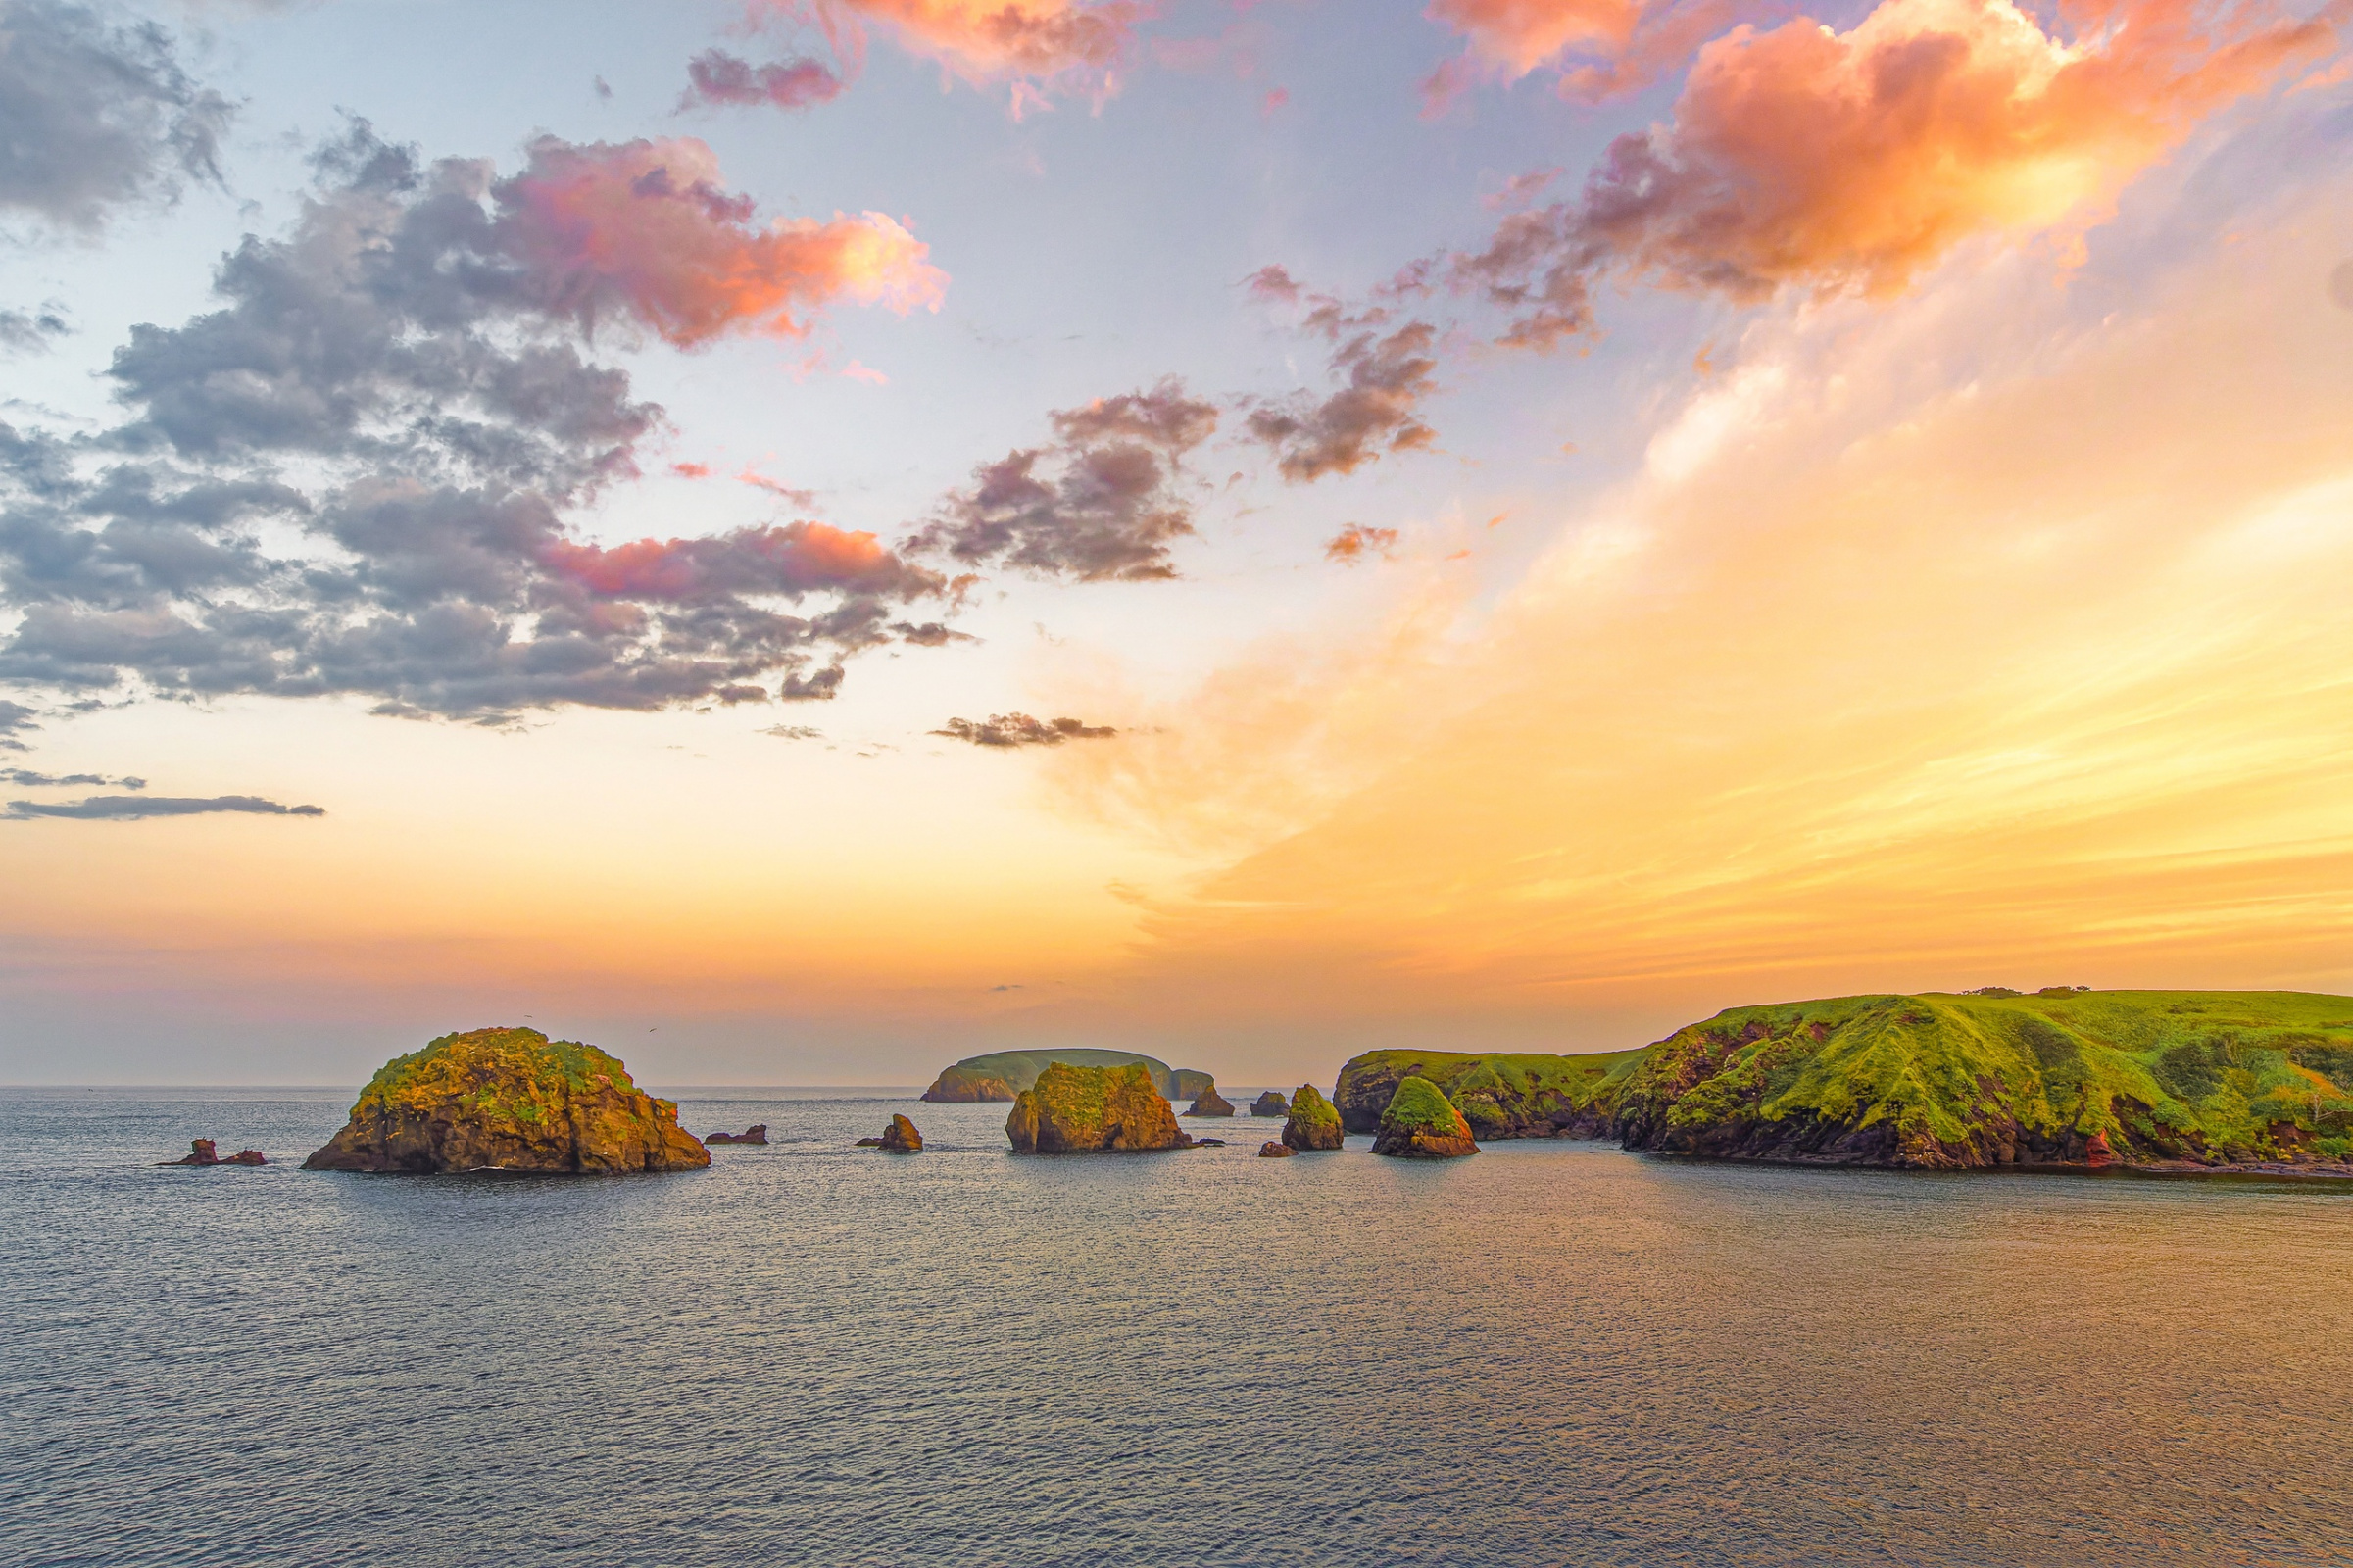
[802, 542]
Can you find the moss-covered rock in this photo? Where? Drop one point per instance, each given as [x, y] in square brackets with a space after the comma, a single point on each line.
[1270, 1104]
[1087, 1110]
[509, 1100]
[1312, 1123]
[999, 1075]
[1502, 1093]
[1421, 1123]
[2153, 1079]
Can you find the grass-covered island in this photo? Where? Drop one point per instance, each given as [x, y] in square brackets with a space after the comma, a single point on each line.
[1093, 1111]
[509, 1100]
[2153, 1080]
[1001, 1075]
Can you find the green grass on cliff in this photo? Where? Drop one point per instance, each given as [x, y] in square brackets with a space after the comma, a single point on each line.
[514, 1073]
[1418, 1106]
[1080, 1095]
[1309, 1108]
[1575, 1082]
[1020, 1069]
[2218, 1069]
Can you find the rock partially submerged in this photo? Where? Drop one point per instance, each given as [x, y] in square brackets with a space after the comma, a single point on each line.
[1087, 1110]
[1270, 1104]
[1270, 1149]
[901, 1138]
[1421, 1123]
[757, 1133]
[509, 1100]
[204, 1152]
[1313, 1123]
[1210, 1103]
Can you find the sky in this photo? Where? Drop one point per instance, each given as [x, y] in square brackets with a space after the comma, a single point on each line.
[800, 541]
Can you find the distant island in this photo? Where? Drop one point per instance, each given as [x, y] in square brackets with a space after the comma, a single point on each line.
[1002, 1075]
[1093, 1111]
[509, 1100]
[2149, 1080]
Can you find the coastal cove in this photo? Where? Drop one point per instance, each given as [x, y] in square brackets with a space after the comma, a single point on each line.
[812, 1353]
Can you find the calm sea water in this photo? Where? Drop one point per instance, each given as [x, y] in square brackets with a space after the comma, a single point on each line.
[1552, 1354]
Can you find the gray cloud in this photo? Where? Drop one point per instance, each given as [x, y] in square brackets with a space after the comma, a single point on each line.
[716, 76]
[15, 717]
[432, 394]
[95, 115]
[30, 331]
[24, 779]
[1387, 371]
[1019, 729]
[1102, 502]
[138, 807]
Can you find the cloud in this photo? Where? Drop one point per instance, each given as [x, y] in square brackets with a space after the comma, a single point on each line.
[1927, 123]
[14, 718]
[1019, 729]
[30, 331]
[716, 76]
[1076, 44]
[1102, 502]
[24, 779]
[644, 229]
[411, 354]
[139, 807]
[1595, 48]
[95, 117]
[1348, 546]
[1388, 372]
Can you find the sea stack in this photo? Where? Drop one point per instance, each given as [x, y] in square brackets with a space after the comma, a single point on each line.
[204, 1152]
[1422, 1123]
[1270, 1104]
[509, 1100]
[901, 1138]
[1087, 1110]
[1270, 1149]
[1210, 1103]
[1313, 1122]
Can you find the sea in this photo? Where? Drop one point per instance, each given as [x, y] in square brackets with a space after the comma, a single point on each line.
[1555, 1353]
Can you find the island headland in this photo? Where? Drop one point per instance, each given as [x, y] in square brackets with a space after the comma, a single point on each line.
[509, 1100]
[1002, 1075]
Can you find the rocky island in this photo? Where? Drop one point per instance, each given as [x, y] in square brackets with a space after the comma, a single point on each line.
[2152, 1080]
[1312, 1123]
[1001, 1075]
[1421, 1123]
[1087, 1110]
[205, 1152]
[1501, 1094]
[757, 1133]
[1270, 1104]
[1210, 1103]
[509, 1100]
[898, 1138]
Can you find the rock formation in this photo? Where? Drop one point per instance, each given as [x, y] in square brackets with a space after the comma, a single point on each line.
[2086, 1080]
[757, 1133]
[1421, 1123]
[1270, 1149]
[1313, 1122]
[1270, 1104]
[509, 1100]
[1085, 1111]
[1210, 1103]
[962, 1086]
[999, 1075]
[901, 1138]
[1501, 1094]
[204, 1152]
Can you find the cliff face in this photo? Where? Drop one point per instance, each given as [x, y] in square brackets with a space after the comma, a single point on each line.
[1421, 1123]
[963, 1085]
[2161, 1080]
[1502, 1095]
[1311, 1123]
[509, 1100]
[1087, 1110]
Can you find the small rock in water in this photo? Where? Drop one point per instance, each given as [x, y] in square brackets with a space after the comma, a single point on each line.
[1208, 1142]
[204, 1152]
[1210, 1103]
[870, 1142]
[757, 1133]
[1272, 1150]
[901, 1138]
[1270, 1104]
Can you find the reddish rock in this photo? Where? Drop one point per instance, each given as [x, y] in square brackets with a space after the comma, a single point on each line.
[1275, 1150]
[901, 1138]
[2096, 1152]
[1210, 1103]
[204, 1152]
